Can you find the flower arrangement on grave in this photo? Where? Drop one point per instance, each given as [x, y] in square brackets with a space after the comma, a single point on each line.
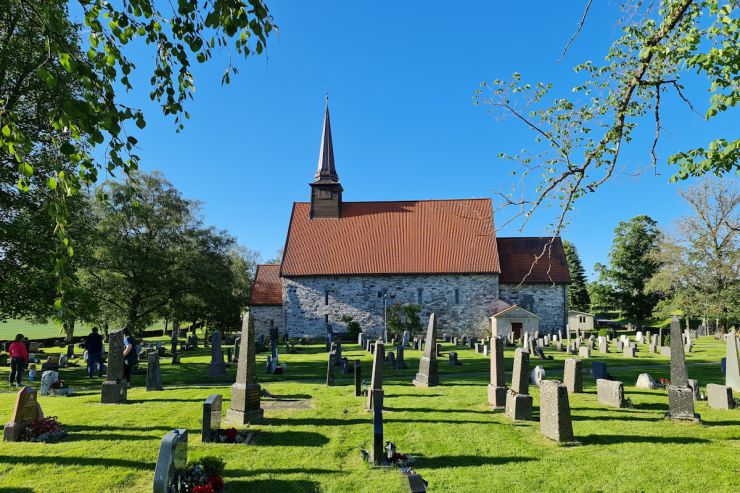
[232, 435]
[204, 476]
[47, 430]
[664, 381]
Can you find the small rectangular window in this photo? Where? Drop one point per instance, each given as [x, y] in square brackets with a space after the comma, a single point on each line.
[457, 296]
[326, 297]
[419, 295]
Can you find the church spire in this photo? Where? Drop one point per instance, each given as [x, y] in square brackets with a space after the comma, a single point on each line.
[326, 191]
[326, 170]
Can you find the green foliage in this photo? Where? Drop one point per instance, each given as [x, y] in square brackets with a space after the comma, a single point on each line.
[604, 332]
[578, 296]
[578, 139]
[402, 317]
[44, 46]
[212, 466]
[353, 328]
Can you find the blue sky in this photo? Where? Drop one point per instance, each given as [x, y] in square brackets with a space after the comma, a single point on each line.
[401, 76]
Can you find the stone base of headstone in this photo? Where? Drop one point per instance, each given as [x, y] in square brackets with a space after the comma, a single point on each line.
[250, 412]
[13, 432]
[720, 396]
[424, 380]
[681, 404]
[518, 406]
[113, 392]
[497, 397]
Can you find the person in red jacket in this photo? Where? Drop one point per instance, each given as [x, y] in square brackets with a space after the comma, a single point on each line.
[18, 359]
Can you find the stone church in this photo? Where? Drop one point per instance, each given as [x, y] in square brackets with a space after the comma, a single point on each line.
[353, 258]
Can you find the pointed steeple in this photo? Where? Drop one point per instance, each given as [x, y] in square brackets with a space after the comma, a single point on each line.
[326, 171]
[326, 191]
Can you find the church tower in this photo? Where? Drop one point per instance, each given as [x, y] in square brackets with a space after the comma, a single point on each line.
[326, 192]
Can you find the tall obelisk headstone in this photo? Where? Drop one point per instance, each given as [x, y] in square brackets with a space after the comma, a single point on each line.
[376, 378]
[680, 395]
[428, 376]
[245, 393]
[497, 387]
[732, 365]
[114, 389]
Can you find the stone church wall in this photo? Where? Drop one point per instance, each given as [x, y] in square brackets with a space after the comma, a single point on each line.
[265, 316]
[311, 302]
[546, 300]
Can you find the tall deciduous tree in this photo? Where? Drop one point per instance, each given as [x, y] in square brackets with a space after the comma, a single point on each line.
[579, 134]
[631, 266]
[578, 297]
[96, 120]
[700, 259]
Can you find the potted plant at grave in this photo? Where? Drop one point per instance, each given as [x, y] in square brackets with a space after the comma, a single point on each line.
[204, 476]
[46, 430]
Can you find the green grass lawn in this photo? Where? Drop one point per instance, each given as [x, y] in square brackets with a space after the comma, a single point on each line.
[461, 445]
[9, 328]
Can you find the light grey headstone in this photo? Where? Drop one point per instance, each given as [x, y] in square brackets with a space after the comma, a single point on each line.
[572, 376]
[645, 381]
[428, 375]
[720, 396]
[732, 364]
[610, 393]
[246, 392]
[537, 375]
[680, 395]
[115, 389]
[584, 352]
[555, 421]
[171, 461]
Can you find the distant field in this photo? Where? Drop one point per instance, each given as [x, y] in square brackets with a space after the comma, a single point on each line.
[9, 328]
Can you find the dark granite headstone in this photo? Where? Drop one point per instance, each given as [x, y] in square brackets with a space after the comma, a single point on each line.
[358, 378]
[153, 372]
[211, 418]
[330, 369]
[171, 461]
[598, 370]
[377, 454]
[376, 379]
[114, 390]
[217, 367]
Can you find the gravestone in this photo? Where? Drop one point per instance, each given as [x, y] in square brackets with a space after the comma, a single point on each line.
[330, 368]
[26, 410]
[518, 402]
[400, 361]
[694, 386]
[497, 385]
[376, 378]
[405, 338]
[378, 452]
[344, 366]
[620, 345]
[114, 389]
[173, 349]
[598, 370]
[645, 381]
[572, 376]
[540, 353]
[665, 351]
[720, 396]
[453, 358]
[629, 351]
[391, 358]
[584, 352]
[70, 351]
[537, 375]
[427, 375]
[358, 378]
[611, 393]
[732, 362]
[153, 372]
[555, 421]
[217, 368]
[211, 418]
[171, 461]
[245, 393]
[680, 395]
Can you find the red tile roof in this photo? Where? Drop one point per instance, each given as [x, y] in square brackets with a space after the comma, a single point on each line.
[405, 237]
[267, 288]
[517, 256]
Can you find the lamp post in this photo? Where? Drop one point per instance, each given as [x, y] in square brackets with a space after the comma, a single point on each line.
[385, 295]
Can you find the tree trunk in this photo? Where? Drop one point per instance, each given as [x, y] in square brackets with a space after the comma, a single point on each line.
[166, 322]
[69, 330]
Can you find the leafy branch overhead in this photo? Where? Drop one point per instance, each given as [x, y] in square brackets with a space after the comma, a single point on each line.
[86, 42]
[579, 138]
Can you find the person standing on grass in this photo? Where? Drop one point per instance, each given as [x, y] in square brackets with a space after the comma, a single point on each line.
[94, 346]
[129, 355]
[18, 359]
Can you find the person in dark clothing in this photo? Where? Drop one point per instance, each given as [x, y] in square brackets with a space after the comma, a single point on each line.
[129, 355]
[94, 346]
[18, 359]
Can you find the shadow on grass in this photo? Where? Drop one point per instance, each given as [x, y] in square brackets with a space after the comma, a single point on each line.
[104, 428]
[447, 461]
[721, 423]
[432, 410]
[274, 485]
[616, 439]
[415, 396]
[290, 439]
[614, 418]
[367, 421]
[290, 397]
[16, 490]
[144, 401]
[296, 470]
[123, 437]
[95, 462]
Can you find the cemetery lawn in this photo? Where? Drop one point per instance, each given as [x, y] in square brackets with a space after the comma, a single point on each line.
[460, 444]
